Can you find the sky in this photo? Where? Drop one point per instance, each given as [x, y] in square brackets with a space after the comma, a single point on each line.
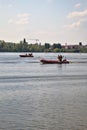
[50, 21]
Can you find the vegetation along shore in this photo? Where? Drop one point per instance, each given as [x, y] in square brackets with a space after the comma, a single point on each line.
[24, 46]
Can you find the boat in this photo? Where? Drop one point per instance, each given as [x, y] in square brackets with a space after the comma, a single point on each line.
[26, 55]
[44, 61]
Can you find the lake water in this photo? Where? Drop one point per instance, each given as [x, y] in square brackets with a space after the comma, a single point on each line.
[35, 96]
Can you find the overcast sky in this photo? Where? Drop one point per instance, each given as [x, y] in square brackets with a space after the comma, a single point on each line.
[52, 21]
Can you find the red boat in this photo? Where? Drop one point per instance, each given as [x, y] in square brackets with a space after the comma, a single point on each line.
[26, 55]
[44, 61]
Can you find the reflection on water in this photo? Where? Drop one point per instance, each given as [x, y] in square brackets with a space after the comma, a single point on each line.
[43, 97]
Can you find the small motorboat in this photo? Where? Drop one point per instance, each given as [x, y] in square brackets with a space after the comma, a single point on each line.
[44, 61]
[26, 55]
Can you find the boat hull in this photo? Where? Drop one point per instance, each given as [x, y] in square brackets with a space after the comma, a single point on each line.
[26, 55]
[54, 61]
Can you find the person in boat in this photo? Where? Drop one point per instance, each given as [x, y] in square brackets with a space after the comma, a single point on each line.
[30, 54]
[60, 57]
[64, 59]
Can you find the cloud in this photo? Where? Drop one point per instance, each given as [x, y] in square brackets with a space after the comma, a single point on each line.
[75, 24]
[78, 17]
[23, 15]
[77, 14]
[78, 5]
[20, 19]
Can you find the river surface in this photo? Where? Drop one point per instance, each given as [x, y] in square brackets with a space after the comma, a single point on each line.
[35, 96]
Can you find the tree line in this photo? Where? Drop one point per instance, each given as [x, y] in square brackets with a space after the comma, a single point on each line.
[24, 46]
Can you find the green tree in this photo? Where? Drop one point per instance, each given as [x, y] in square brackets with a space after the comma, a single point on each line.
[47, 45]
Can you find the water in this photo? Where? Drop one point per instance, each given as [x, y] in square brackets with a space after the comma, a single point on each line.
[34, 96]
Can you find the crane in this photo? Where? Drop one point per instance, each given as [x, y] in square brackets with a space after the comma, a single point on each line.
[34, 39]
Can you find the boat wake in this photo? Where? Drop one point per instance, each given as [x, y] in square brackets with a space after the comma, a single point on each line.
[78, 61]
[15, 62]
